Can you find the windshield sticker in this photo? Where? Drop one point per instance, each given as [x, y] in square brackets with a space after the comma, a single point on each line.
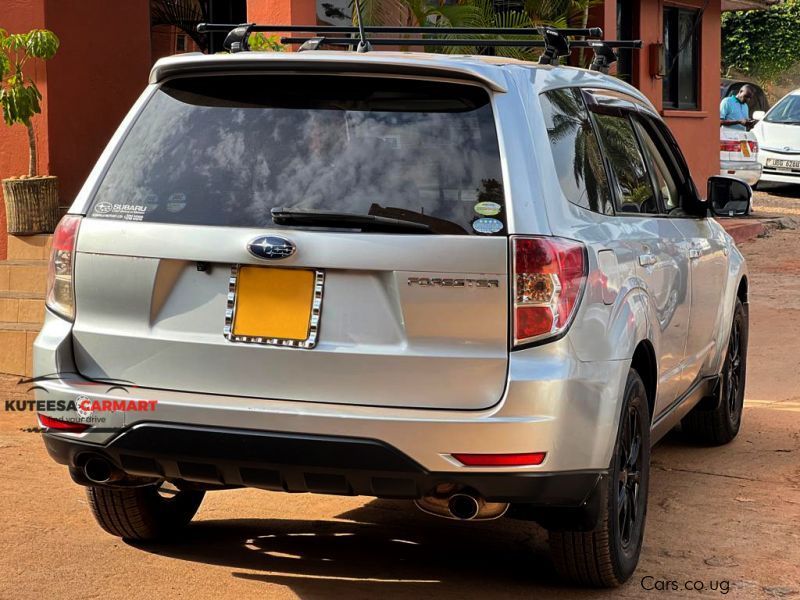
[488, 209]
[125, 212]
[487, 226]
[176, 202]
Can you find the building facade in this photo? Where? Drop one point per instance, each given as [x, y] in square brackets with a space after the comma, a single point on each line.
[107, 49]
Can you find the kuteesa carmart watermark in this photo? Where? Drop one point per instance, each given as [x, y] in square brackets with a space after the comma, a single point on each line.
[81, 409]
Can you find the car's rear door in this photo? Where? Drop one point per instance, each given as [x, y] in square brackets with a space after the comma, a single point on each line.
[657, 247]
[181, 281]
[707, 247]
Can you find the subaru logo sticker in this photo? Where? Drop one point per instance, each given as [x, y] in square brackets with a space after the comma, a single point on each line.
[271, 247]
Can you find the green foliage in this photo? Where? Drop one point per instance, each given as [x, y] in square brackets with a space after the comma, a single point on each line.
[265, 43]
[482, 13]
[19, 97]
[762, 43]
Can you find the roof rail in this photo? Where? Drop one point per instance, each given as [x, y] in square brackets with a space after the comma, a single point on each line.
[554, 40]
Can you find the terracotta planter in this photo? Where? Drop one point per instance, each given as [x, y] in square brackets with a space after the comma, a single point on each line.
[31, 204]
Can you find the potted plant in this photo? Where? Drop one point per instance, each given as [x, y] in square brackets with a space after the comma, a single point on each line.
[31, 200]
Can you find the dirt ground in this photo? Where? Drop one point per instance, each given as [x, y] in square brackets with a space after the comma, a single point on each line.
[721, 521]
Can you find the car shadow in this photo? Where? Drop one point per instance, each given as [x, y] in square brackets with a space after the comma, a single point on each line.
[384, 549]
[780, 190]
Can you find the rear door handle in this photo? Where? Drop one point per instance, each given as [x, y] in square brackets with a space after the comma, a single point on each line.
[647, 260]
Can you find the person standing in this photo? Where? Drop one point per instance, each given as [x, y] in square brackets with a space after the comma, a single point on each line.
[733, 110]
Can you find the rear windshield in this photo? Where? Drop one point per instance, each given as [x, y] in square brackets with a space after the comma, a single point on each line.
[226, 150]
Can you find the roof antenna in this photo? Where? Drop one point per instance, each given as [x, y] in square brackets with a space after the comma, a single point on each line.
[363, 44]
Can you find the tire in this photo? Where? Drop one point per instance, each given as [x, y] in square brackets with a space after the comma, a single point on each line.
[720, 425]
[607, 555]
[142, 513]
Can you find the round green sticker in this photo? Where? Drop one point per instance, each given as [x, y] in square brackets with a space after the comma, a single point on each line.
[488, 209]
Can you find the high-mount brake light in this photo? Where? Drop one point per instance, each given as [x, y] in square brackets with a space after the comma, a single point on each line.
[549, 275]
[60, 296]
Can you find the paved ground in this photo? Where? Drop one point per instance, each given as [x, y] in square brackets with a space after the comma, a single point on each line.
[725, 517]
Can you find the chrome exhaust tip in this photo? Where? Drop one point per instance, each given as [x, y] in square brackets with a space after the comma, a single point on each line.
[452, 501]
[464, 506]
[99, 470]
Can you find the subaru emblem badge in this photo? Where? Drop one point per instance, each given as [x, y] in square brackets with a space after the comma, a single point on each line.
[271, 247]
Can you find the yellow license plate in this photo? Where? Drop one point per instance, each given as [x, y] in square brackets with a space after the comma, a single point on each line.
[274, 304]
[745, 148]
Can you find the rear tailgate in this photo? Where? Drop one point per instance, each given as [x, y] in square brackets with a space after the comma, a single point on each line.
[406, 320]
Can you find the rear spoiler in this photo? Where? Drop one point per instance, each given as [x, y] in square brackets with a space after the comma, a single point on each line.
[330, 62]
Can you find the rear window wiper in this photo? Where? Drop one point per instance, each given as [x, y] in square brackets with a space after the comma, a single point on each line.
[343, 220]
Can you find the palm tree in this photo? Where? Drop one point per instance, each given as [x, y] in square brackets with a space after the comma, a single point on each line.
[484, 13]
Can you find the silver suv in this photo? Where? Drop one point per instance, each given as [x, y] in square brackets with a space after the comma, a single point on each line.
[479, 284]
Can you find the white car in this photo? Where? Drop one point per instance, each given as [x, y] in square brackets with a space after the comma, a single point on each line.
[778, 133]
[738, 155]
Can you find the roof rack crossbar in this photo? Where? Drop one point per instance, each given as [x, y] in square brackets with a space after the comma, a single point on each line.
[524, 43]
[552, 39]
[594, 32]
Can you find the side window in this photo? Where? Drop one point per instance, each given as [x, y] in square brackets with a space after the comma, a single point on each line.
[636, 194]
[658, 157]
[576, 152]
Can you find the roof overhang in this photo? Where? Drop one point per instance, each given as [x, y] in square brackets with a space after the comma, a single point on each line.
[728, 5]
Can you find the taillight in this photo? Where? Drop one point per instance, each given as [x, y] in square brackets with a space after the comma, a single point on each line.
[753, 146]
[730, 146]
[549, 276]
[60, 296]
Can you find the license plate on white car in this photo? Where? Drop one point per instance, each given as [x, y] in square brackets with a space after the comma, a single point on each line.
[783, 164]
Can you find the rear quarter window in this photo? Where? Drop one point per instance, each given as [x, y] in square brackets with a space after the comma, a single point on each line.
[226, 150]
[576, 152]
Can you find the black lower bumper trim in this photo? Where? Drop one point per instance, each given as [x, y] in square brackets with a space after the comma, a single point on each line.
[217, 457]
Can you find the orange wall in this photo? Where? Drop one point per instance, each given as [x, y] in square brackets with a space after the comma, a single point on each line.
[19, 16]
[282, 12]
[100, 68]
[697, 131]
[99, 71]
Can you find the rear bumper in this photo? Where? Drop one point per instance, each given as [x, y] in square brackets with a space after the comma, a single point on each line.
[553, 403]
[749, 172]
[214, 457]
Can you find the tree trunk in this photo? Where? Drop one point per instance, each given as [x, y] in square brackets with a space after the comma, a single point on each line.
[31, 149]
[584, 23]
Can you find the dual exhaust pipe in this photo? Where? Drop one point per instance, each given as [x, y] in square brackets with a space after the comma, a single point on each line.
[464, 504]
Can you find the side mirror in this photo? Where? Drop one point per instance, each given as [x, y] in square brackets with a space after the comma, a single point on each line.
[758, 115]
[728, 196]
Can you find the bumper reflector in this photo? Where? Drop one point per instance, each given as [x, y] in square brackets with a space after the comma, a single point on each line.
[59, 425]
[500, 460]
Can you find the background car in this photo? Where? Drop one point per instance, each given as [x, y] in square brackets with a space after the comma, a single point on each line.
[738, 156]
[778, 133]
[731, 87]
